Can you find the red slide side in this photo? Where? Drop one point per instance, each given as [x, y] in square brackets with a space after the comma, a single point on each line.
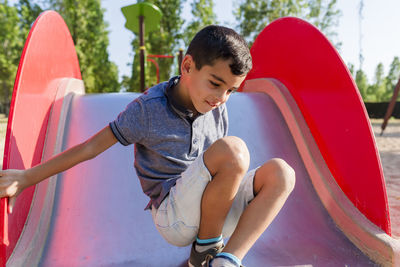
[297, 54]
[37, 78]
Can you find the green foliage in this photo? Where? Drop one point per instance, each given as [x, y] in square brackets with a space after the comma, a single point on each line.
[88, 29]
[392, 79]
[203, 15]
[375, 90]
[253, 15]
[381, 90]
[126, 84]
[15, 22]
[324, 15]
[362, 83]
[28, 12]
[85, 21]
[10, 49]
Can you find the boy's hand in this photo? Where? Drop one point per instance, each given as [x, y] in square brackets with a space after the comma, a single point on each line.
[12, 183]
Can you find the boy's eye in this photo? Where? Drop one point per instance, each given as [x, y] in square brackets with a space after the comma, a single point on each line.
[214, 84]
[230, 91]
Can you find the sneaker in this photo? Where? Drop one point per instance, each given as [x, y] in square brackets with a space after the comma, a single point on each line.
[208, 260]
[199, 259]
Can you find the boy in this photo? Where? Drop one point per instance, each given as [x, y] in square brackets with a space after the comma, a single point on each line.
[194, 174]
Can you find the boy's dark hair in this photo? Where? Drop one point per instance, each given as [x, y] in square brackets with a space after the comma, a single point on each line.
[217, 42]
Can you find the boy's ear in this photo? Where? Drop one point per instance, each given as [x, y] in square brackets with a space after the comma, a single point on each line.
[187, 64]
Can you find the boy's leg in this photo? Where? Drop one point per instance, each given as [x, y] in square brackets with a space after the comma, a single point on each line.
[273, 183]
[228, 160]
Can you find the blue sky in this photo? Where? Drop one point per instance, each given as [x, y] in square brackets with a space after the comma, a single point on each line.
[380, 43]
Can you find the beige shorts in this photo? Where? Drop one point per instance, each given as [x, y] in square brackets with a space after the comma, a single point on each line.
[178, 217]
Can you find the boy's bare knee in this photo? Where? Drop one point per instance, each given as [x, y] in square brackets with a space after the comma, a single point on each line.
[234, 153]
[284, 175]
[279, 175]
[230, 153]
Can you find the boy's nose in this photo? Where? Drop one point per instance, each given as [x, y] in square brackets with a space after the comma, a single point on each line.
[217, 101]
[220, 97]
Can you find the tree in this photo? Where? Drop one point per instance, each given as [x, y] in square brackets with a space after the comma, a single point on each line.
[163, 42]
[88, 29]
[254, 15]
[381, 90]
[392, 79]
[28, 12]
[203, 15]
[324, 16]
[10, 51]
[376, 90]
[362, 83]
[15, 23]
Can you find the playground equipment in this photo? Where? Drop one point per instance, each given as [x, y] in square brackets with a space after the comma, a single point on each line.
[137, 16]
[150, 58]
[298, 100]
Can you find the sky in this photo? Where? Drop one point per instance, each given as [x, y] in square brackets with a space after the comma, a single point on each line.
[380, 43]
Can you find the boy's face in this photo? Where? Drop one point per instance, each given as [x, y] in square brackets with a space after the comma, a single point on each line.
[210, 86]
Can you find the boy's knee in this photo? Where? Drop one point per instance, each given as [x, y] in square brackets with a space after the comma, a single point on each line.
[280, 175]
[229, 152]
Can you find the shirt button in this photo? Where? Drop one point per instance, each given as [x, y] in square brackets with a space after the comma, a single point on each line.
[194, 141]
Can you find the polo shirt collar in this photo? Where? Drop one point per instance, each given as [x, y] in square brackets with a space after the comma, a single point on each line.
[176, 106]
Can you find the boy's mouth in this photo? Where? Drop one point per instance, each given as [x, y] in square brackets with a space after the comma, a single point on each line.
[212, 104]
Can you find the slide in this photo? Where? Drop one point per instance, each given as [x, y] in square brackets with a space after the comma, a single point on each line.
[298, 103]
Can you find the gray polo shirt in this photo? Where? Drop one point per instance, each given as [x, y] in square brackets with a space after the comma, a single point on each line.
[167, 137]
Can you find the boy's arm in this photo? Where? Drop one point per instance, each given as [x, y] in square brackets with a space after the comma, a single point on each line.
[13, 182]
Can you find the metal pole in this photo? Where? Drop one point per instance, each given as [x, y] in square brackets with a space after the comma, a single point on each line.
[180, 58]
[360, 37]
[392, 103]
[142, 48]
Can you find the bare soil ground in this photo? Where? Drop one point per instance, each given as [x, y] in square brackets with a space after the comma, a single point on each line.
[389, 151]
